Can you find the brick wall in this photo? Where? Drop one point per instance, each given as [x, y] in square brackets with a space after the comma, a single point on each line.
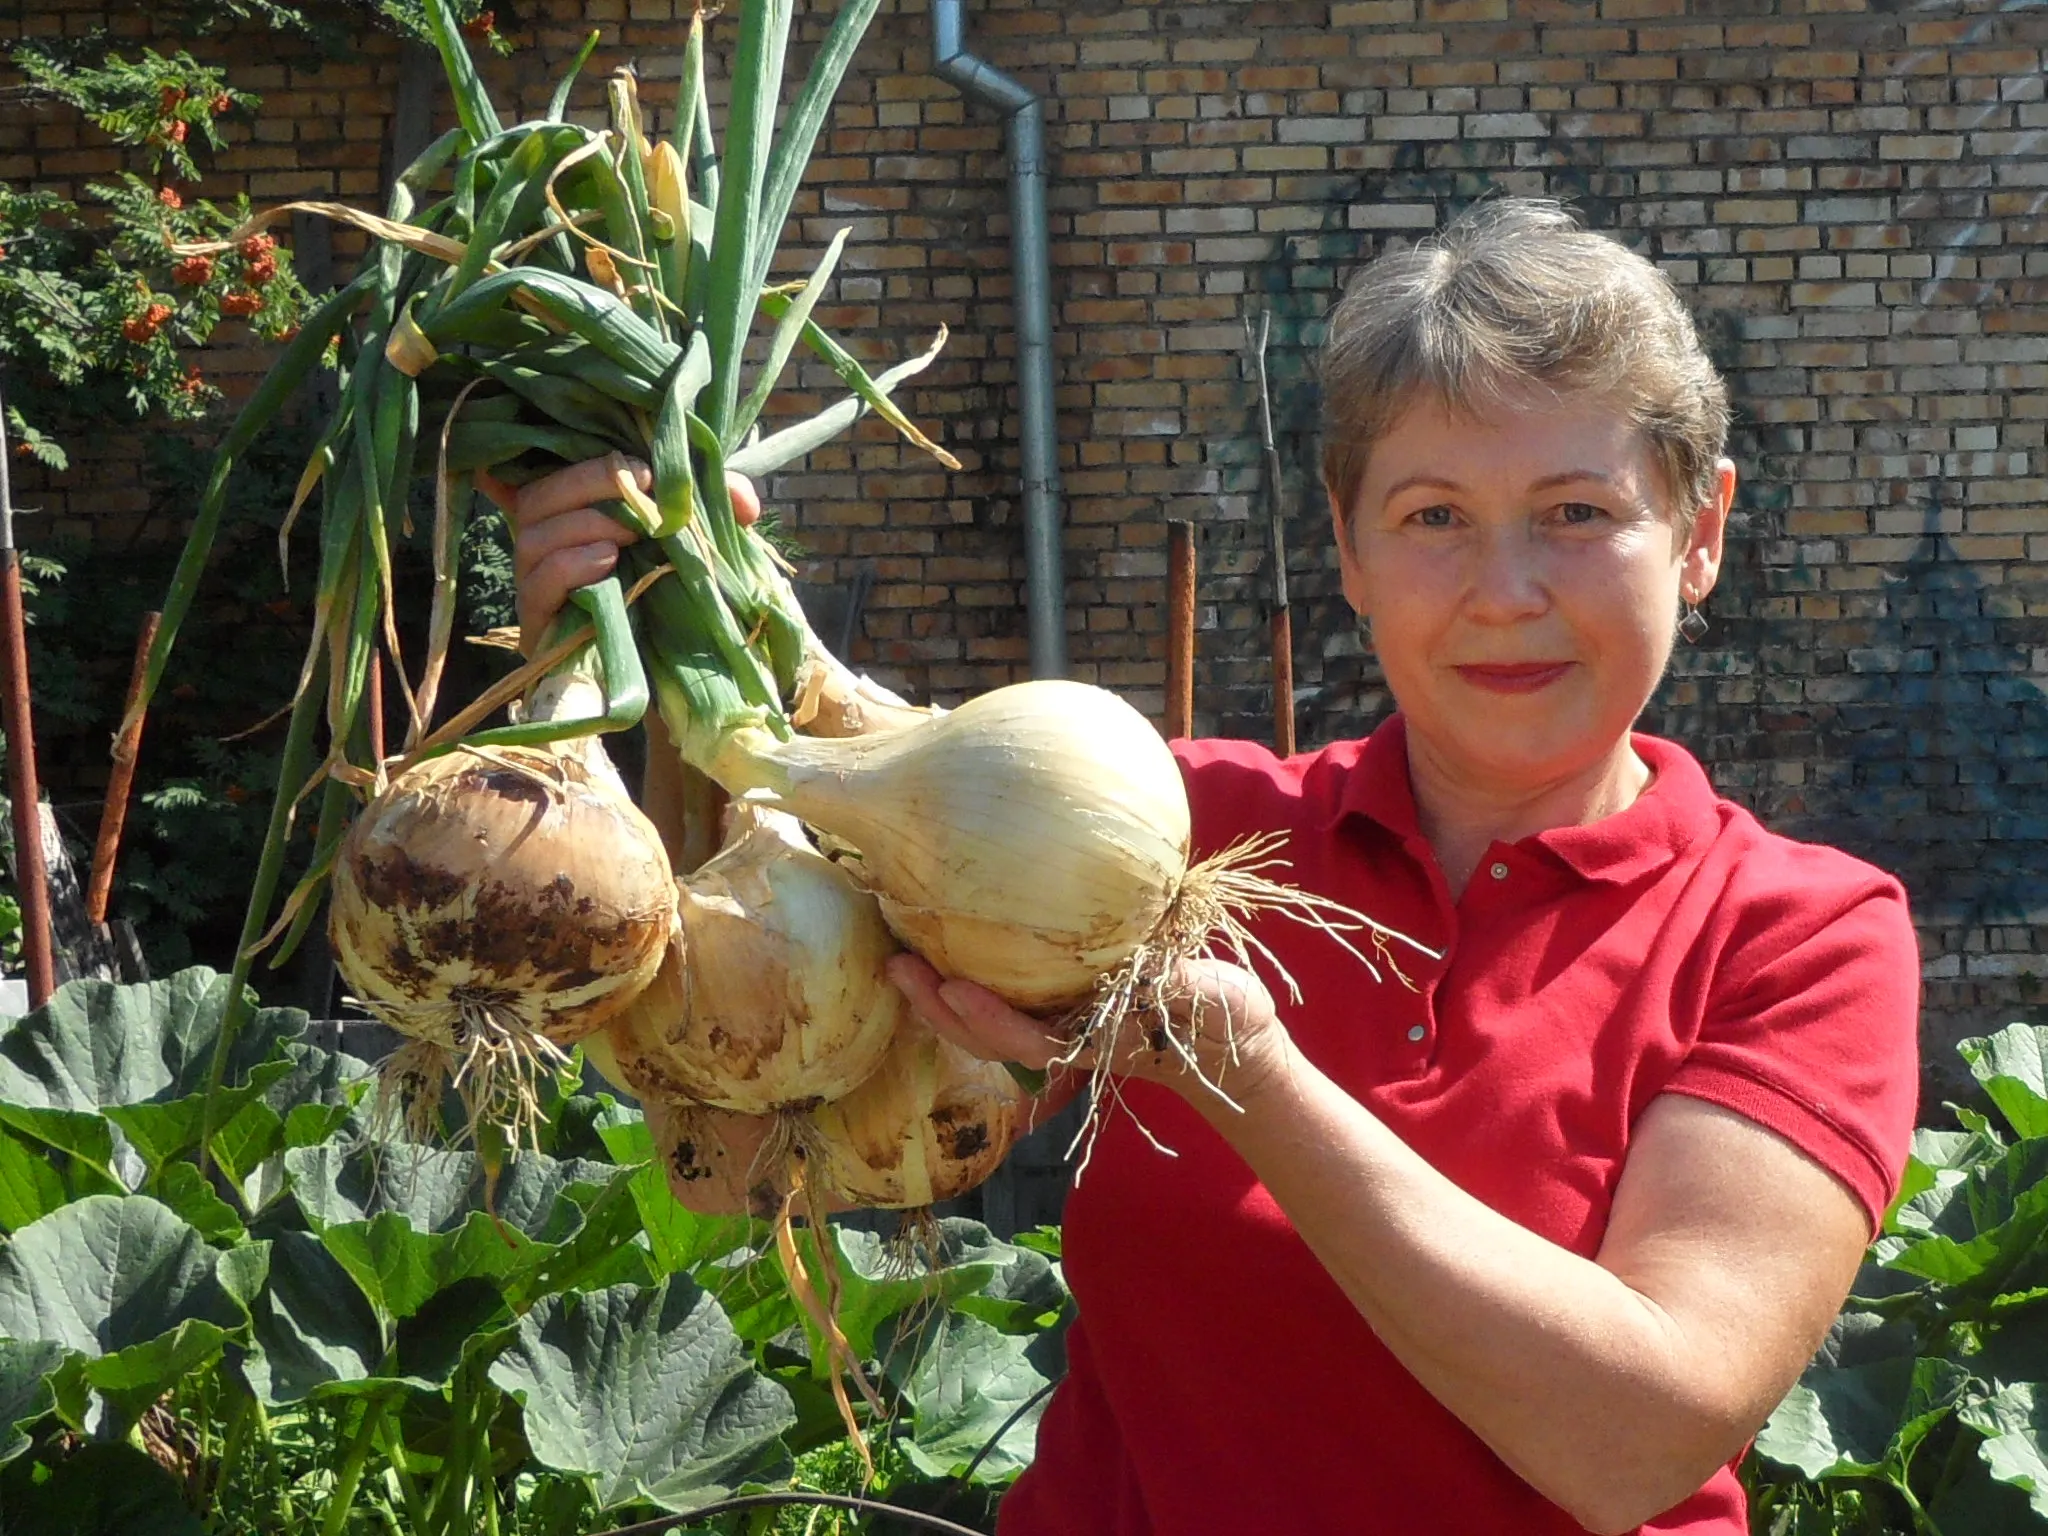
[1851, 194]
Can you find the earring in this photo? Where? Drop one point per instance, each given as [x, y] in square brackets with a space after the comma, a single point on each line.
[1692, 624]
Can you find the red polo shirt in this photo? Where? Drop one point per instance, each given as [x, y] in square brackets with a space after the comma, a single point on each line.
[1219, 1382]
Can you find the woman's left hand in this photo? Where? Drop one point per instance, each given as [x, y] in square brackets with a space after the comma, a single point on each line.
[1220, 1012]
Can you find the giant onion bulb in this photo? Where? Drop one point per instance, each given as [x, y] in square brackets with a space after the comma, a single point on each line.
[1033, 840]
[497, 905]
[930, 1124]
[774, 996]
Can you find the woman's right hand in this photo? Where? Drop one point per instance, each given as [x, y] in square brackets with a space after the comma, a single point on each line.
[561, 542]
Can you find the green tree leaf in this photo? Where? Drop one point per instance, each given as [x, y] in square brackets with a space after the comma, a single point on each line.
[646, 1390]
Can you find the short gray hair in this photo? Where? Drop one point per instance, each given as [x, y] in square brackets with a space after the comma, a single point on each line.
[1515, 291]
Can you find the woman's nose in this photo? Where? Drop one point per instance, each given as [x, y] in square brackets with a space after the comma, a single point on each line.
[1507, 581]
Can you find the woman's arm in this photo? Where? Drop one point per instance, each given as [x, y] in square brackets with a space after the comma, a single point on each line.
[1614, 1386]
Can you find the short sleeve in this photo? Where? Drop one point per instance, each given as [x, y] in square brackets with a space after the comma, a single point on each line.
[1812, 1027]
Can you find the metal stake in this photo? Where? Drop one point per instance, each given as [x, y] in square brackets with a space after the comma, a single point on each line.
[1282, 625]
[31, 877]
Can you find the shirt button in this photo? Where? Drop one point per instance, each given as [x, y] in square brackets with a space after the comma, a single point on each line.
[1418, 1032]
[1499, 871]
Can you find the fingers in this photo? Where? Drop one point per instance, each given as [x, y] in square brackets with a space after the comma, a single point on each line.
[746, 501]
[562, 543]
[577, 487]
[553, 558]
[972, 1017]
[501, 495]
[1206, 994]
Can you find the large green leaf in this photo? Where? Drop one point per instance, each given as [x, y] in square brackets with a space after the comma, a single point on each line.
[25, 1390]
[123, 1281]
[311, 1328]
[677, 1239]
[186, 1190]
[314, 1101]
[104, 1490]
[1864, 1399]
[136, 1056]
[1982, 1232]
[648, 1391]
[30, 1188]
[2013, 1422]
[2013, 1067]
[407, 1221]
[966, 1384]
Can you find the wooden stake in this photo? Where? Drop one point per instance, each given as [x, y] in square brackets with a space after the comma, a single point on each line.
[1180, 629]
[114, 813]
[31, 878]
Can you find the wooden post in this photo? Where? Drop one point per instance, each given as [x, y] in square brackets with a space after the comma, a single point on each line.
[114, 812]
[31, 876]
[1180, 629]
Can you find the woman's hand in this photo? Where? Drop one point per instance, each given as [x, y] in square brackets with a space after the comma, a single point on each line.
[561, 542]
[1221, 1013]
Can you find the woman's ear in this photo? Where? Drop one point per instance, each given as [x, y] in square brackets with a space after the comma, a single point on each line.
[1701, 563]
[1349, 566]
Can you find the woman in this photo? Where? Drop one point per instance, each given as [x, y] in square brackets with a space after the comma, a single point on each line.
[1533, 1240]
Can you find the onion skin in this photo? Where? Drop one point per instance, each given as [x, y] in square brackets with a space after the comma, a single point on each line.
[1031, 840]
[521, 882]
[775, 995]
[712, 1159]
[930, 1124]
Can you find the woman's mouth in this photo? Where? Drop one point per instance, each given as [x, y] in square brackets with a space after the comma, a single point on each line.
[1513, 677]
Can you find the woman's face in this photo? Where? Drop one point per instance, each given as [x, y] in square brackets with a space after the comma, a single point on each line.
[1523, 574]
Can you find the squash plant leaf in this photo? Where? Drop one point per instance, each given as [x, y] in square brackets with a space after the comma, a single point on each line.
[138, 1055]
[125, 1282]
[964, 1384]
[1982, 1232]
[647, 1391]
[105, 1490]
[677, 1239]
[30, 1188]
[2013, 1067]
[1862, 1400]
[316, 1100]
[405, 1221]
[25, 1390]
[312, 1327]
[2014, 1424]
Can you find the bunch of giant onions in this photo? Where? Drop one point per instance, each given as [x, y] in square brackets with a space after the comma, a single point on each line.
[931, 1124]
[497, 905]
[772, 996]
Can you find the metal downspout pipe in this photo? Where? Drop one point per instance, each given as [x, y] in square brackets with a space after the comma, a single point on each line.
[1031, 264]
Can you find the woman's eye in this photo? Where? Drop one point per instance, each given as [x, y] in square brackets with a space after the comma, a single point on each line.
[1580, 513]
[1434, 517]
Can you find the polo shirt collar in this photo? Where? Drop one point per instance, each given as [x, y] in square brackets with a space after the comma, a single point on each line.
[1677, 810]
